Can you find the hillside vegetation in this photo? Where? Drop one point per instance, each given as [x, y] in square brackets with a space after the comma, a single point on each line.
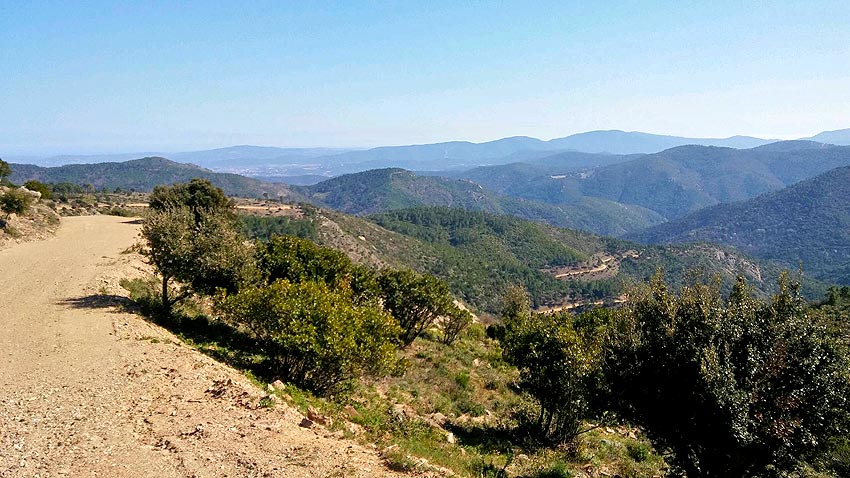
[807, 224]
[143, 175]
[480, 254]
[671, 183]
[387, 189]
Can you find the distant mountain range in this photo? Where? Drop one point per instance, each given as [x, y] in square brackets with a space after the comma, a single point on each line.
[284, 162]
[807, 223]
[672, 183]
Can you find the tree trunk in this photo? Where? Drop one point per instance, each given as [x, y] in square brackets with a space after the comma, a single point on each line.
[166, 305]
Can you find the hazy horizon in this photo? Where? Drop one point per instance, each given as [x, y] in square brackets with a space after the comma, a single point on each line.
[103, 78]
[224, 146]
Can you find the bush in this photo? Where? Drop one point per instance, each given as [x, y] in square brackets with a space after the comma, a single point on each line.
[5, 170]
[197, 195]
[453, 324]
[316, 337]
[40, 187]
[559, 357]
[738, 387]
[15, 201]
[298, 260]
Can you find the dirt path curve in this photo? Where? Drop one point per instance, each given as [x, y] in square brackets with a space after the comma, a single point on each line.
[86, 390]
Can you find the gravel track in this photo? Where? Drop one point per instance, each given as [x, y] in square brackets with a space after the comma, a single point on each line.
[88, 390]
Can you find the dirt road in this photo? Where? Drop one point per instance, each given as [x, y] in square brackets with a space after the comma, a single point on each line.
[86, 390]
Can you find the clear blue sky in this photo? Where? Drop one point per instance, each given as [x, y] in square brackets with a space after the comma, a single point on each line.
[164, 76]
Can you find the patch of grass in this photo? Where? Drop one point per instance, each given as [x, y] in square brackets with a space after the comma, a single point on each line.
[638, 451]
[12, 232]
[118, 211]
[397, 460]
[462, 379]
[267, 402]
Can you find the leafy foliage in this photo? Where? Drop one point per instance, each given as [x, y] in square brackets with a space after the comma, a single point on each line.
[317, 337]
[191, 238]
[740, 387]
[198, 195]
[454, 324]
[15, 201]
[559, 357]
[5, 170]
[416, 301]
[300, 260]
[43, 189]
[264, 228]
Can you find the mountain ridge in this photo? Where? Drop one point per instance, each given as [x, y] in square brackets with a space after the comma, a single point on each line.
[807, 223]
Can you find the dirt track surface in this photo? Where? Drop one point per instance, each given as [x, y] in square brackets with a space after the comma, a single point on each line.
[87, 390]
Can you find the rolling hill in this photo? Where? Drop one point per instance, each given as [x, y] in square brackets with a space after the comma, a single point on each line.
[387, 189]
[143, 174]
[807, 223]
[672, 183]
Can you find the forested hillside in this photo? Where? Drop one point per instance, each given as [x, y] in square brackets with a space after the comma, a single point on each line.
[387, 189]
[807, 224]
[480, 255]
[672, 183]
[143, 175]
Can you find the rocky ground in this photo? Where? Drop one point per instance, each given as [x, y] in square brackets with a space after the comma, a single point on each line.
[88, 390]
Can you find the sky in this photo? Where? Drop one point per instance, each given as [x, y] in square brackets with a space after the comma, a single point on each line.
[96, 77]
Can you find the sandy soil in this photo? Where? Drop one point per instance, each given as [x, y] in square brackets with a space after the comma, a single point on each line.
[87, 390]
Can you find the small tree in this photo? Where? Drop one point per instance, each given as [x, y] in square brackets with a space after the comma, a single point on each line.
[168, 235]
[317, 338]
[454, 323]
[192, 239]
[415, 300]
[5, 170]
[199, 195]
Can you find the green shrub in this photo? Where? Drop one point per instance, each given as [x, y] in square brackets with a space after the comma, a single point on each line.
[737, 387]
[638, 452]
[43, 189]
[15, 201]
[462, 379]
[299, 260]
[559, 357]
[454, 323]
[554, 470]
[316, 337]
